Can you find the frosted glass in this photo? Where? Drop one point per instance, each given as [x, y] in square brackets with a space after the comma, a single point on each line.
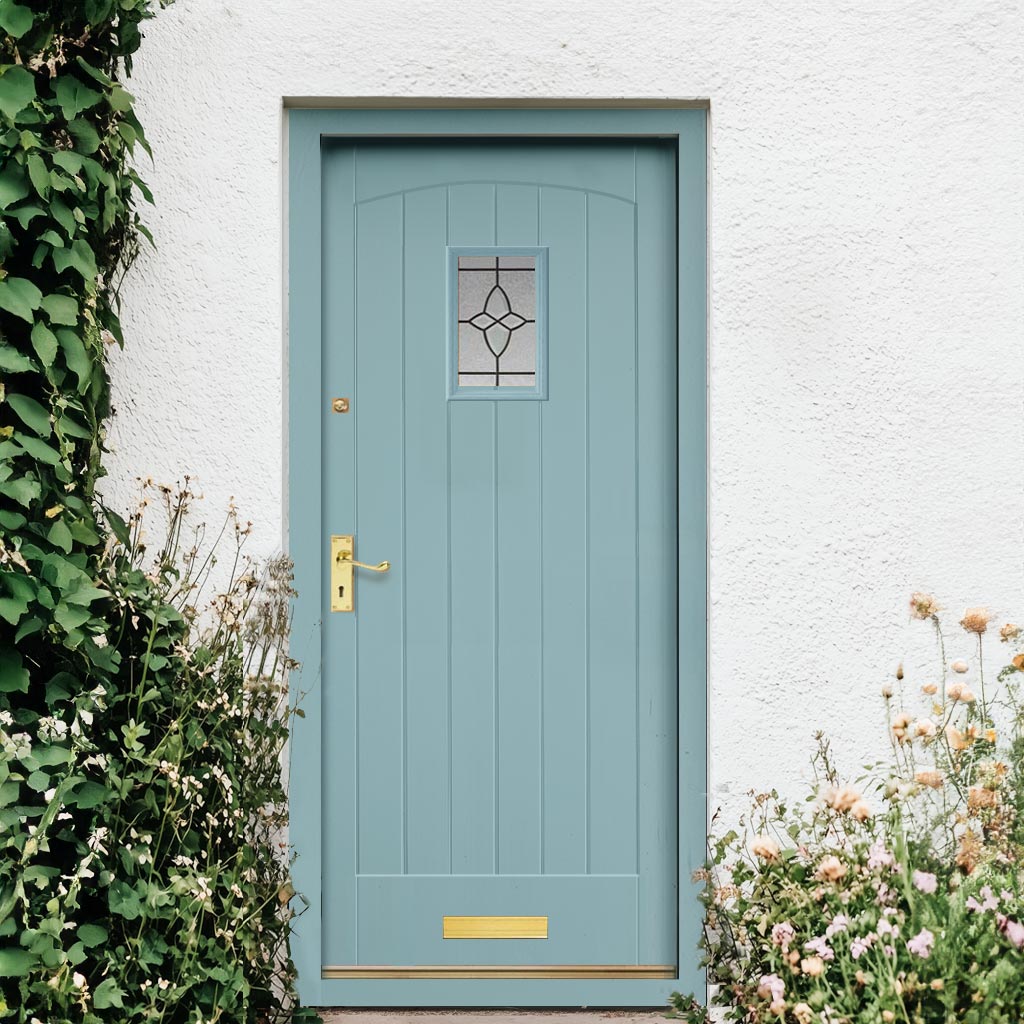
[497, 300]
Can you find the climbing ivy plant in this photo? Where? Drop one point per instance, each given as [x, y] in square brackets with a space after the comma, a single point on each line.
[141, 725]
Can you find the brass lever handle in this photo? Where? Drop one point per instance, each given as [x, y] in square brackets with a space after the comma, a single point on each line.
[343, 569]
[346, 556]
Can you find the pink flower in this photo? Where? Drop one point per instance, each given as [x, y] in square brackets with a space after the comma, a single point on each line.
[879, 856]
[925, 881]
[1013, 930]
[772, 987]
[988, 900]
[921, 944]
[839, 924]
[782, 935]
[860, 945]
[820, 946]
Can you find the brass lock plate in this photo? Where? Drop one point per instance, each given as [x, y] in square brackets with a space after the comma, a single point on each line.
[341, 573]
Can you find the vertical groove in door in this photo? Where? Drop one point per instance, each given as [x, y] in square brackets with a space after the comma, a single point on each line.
[636, 537]
[540, 596]
[495, 703]
[448, 573]
[355, 531]
[403, 576]
[586, 528]
[494, 669]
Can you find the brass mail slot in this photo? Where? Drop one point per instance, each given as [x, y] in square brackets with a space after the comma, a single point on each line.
[495, 928]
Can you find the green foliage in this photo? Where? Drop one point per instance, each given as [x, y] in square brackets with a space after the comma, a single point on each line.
[900, 899]
[141, 876]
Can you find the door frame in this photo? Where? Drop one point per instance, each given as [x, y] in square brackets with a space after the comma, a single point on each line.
[304, 128]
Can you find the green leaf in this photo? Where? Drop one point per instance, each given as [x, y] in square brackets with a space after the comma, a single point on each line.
[51, 755]
[15, 963]
[96, 12]
[39, 175]
[12, 609]
[23, 489]
[24, 214]
[74, 96]
[60, 537]
[61, 309]
[108, 993]
[44, 341]
[86, 137]
[120, 100]
[79, 256]
[91, 934]
[13, 361]
[71, 162]
[123, 900]
[17, 88]
[89, 794]
[76, 357]
[39, 450]
[31, 413]
[19, 296]
[118, 527]
[13, 185]
[17, 20]
[63, 216]
[70, 617]
[13, 675]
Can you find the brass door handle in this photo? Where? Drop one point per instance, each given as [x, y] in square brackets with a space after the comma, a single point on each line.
[342, 571]
[346, 556]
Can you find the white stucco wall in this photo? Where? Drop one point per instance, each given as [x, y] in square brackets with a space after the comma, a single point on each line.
[866, 300]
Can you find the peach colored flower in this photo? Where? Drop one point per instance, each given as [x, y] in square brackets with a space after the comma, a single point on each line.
[956, 739]
[976, 620]
[979, 798]
[842, 799]
[900, 724]
[960, 666]
[765, 847]
[968, 854]
[831, 869]
[923, 606]
[812, 966]
[925, 727]
[861, 810]
[930, 688]
[1009, 632]
[1018, 662]
[929, 778]
[990, 736]
[961, 692]
[803, 1014]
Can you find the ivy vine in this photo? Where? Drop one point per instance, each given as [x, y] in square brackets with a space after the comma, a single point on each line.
[140, 737]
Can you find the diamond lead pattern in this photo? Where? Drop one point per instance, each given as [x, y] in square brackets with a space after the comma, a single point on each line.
[490, 355]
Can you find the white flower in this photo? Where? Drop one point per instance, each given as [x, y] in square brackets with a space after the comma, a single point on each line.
[78, 980]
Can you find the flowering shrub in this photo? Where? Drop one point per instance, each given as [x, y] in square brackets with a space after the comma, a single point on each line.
[142, 873]
[901, 898]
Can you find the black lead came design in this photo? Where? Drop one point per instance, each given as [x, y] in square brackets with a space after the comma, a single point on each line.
[497, 321]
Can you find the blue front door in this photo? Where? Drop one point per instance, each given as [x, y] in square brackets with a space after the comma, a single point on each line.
[499, 707]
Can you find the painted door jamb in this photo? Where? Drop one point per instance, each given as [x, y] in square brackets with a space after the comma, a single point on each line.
[304, 129]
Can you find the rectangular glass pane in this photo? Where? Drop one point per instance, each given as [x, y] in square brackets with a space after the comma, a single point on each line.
[497, 329]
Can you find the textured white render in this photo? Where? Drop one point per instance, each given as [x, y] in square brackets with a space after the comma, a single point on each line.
[865, 342]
